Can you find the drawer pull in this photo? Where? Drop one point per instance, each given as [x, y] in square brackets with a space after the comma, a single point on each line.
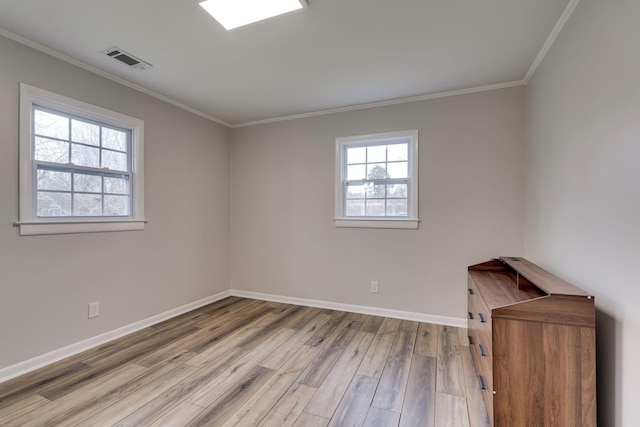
[482, 319]
[483, 384]
[470, 339]
[482, 351]
[470, 316]
[471, 292]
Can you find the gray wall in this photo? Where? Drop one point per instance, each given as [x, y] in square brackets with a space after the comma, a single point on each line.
[284, 241]
[583, 184]
[182, 256]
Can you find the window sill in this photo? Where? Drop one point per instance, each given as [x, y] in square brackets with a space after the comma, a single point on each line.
[407, 224]
[32, 228]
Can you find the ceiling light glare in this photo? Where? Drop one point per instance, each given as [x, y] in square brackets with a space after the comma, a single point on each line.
[236, 13]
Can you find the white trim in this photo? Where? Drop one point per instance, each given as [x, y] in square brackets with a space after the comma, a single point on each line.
[407, 224]
[73, 349]
[396, 101]
[458, 322]
[72, 227]
[551, 39]
[107, 75]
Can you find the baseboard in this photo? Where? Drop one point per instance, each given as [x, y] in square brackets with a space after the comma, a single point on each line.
[73, 349]
[374, 311]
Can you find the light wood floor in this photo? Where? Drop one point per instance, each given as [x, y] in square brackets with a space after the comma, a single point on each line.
[253, 363]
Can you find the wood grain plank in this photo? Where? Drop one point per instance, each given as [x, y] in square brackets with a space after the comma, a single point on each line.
[178, 392]
[418, 408]
[222, 347]
[463, 336]
[221, 330]
[264, 399]
[409, 325]
[371, 324]
[450, 378]
[279, 357]
[309, 420]
[217, 384]
[427, 340]
[374, 361]
[272, 324]
[52, 376]
[354, 406]
[394, 378]
[328, 329]
[334, 346]
[223, 314]
[218, 412]
[20, 408]
[451, 411]
[73, 416]
[179, 416]
[88, 394]
[135, 395]
[327, 398]
[287, 410]
[381, 418]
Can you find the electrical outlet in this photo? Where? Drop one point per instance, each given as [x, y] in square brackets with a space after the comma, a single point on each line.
[374, 286]
[94, 309]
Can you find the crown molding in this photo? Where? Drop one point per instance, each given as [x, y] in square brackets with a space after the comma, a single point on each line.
[551, 39]
[107, 75]
[538, 60]
[383, 103]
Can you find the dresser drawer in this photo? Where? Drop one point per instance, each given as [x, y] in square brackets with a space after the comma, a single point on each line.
[479, 326]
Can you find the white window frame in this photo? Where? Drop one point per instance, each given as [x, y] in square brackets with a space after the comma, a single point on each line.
[30, 223]
[411, 221]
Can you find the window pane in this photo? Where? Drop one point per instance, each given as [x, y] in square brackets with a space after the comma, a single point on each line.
[356, 155]
[49, 124]
[355, 207]
[87, 205]
[375, 208]
[116, 205]
[81, 155]
[356, 172]
[355, 191]
[114, 139]
[53, 180]
[376, 153]
[114, 160]
[84, 132]
[397, 152]
[398, 170]
[375, 191]
[87, 183]
[397, 191]
[377, 171]
[397, 207]
[118, 184]
[48, 150]
[53, 204]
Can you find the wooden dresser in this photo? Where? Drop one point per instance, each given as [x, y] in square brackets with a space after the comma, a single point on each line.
[532, 338]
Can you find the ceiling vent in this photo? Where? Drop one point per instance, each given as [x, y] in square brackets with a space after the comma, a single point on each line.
[127, 58]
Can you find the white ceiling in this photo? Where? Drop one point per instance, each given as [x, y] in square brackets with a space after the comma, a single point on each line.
[333, 54]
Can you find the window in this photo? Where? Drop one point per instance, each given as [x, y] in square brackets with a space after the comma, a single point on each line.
[80, 166]
[377, 180]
